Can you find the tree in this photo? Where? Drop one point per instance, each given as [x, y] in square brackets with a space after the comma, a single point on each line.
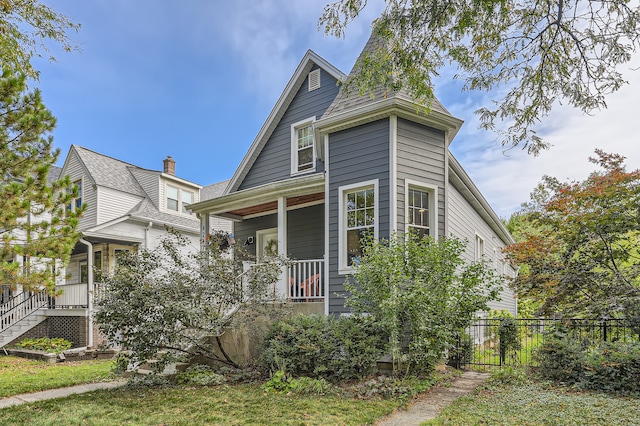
[34, 221]
[582, 254]
[174, 300]
[542, 52]
[423, 289]
[25, 27]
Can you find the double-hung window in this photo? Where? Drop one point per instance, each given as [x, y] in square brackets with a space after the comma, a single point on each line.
[302, 147]
[358, 212]
[76, 202]
[178, 199]
[421, 209]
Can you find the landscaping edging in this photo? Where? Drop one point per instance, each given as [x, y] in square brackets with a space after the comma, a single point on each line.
[70, 355]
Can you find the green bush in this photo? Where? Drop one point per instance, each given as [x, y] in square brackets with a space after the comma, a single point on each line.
[335, 348]
[608, 366]
[462, 353]
[55, 345]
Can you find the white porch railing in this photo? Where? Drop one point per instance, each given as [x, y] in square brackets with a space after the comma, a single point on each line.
[306, 280]
[21, 306]
[74, 295]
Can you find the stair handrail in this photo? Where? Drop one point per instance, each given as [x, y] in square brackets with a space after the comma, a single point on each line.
[15, 309]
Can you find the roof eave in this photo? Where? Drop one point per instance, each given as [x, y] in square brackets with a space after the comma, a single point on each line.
[473, 195]
[278, 111]
[385, 108]
[303, 185]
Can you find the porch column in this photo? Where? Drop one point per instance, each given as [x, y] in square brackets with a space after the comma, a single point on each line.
[204, 229]
[282, 243]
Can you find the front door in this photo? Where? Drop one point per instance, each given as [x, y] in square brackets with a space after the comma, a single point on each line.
[267, 243]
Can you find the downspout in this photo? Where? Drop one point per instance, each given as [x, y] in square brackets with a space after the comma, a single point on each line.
[89, 289]
[146, 235]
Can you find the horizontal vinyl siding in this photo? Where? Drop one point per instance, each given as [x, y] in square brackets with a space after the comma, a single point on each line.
[465, 223]
[420, 157]
[247, 228]
[150, 183]
[356, 155]
[76, 170]
[305, 232]
[114, 204]
[274, 161]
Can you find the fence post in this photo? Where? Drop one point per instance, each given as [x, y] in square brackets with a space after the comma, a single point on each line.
[604, 329]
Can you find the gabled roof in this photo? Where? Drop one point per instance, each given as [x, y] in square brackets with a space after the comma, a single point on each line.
[214, 190]
[54, 174]
[109, 172]
[146, 211]
[298, 77]
[352, 100]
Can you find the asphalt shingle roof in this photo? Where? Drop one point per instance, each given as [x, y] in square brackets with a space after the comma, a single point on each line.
[214, 190]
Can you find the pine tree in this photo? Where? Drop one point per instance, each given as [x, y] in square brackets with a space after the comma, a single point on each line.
[37, 230]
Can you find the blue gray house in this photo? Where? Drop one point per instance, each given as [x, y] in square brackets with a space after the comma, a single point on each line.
[328, 168]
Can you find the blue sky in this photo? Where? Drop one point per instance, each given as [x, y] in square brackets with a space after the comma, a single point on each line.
[196, 79]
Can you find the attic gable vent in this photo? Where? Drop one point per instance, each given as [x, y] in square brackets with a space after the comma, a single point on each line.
[314, 80]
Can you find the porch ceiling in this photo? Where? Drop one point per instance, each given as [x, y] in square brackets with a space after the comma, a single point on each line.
[264, 198]
[273, 205]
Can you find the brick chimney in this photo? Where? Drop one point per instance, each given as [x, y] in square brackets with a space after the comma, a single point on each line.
[169, 165]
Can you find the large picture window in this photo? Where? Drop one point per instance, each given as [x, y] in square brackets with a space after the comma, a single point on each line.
[358, 211]
[302, 147]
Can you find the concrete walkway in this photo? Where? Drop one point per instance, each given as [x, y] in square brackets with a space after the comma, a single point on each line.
[428, 405]
[58, 393]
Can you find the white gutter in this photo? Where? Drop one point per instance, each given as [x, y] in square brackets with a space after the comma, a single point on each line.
[89, 289]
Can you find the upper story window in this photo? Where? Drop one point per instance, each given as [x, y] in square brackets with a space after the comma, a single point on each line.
[358, 211]
[76, 202]
[303, 157]
[178, 199]
[418, 210]
[421, 208]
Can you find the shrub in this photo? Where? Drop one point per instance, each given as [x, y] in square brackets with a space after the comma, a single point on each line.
[609, 366]
[323, 346]
[462, 353]
[55, 345]
[200, 375]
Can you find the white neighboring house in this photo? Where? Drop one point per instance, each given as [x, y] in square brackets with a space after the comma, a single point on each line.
[127, 207]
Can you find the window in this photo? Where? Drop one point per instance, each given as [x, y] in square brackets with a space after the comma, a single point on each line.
[418, 211]
[76, 202]
[302, 147]
[97, 266]
[479, 247]
[84, 271]
[358, 212]
[178, 199]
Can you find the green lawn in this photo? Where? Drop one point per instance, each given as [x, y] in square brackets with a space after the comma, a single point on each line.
[227, 405]
[19, 375]
[537, 404]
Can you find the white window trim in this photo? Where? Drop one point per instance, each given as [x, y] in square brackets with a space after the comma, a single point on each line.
[433, 209]
[294, 147]
[72, 204]
[478, 256]
[180, 203]
[343, 267]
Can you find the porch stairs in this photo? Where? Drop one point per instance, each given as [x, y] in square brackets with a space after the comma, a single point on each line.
[20, 314]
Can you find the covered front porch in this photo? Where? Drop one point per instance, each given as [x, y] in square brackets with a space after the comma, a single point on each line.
[285, 218]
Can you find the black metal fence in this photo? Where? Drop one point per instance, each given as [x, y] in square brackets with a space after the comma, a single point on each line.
[496, 342]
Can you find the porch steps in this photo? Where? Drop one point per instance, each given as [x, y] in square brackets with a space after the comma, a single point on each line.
[20, 327]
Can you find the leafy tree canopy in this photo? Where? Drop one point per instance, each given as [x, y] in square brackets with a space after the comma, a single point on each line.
[181, 301]
[537, 53]
[580, 248]
[33, 222]
[25, 27]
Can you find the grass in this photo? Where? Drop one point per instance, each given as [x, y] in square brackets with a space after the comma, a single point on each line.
[533, 403]
[227, 404]
[20, 375]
